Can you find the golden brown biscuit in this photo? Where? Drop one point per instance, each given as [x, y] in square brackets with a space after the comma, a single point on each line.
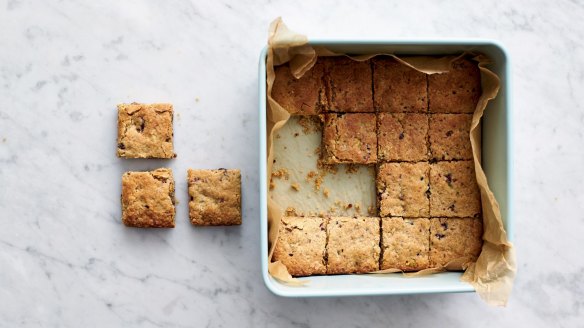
[148, 199]
[350, 138]
[457, 241]
[402, 137]
[145, 131]
[456, 91]
[454, 190]
[215, 197]
[353, 245]
[348, 85]
[403, 189]
[301, 245]
[405, 243]
[303, 96]
[398, 88]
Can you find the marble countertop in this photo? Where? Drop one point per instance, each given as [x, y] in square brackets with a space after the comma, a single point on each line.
[65, 259]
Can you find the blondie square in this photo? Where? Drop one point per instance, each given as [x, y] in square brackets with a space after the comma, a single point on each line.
[148, 199]
[457, 239]
[353, 245]
[398, 88]
[303, 96]
[145, 131]
[350, 138]
[215, 197]
[402, 137]
[301, 245]
[349, 85]
[403, 189]
[456, 91]
[454, 190]
[405, 243]
[449, 137]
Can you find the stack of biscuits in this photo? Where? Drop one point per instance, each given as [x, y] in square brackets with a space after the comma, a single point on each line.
[415, 129]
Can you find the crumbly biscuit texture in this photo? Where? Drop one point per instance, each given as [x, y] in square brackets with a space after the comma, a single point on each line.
[405, 243]
[145, 131]
[350, 138]
[456, 91]
[398, 88]
[402, 137]
[215, 197]
[353, 245]
[348, 85]
[455, 242]
[303, 96]
[449, 137]
[148, 199]
[454, 190]
[301, 245]
[403, 189]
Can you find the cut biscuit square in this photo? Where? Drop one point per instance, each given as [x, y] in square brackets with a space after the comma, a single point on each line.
[454, 190]
[402, 137]
[349, 87]
[215, 197]
[403, 189]
[148, 199]
[145, 131]
[303, 96]
[350, 138]
[455, 242]
[398, 88]
[353, 245]
[301, 245]
[456, 91]
[405, 243]
[449, 137]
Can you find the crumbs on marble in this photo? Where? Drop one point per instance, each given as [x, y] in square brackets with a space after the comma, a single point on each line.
[197, 99]
[4, 140]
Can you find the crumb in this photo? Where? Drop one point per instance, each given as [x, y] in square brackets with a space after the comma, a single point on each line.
[318, 182]
[310, 124]
[352, 168]
[272, 185]
[281, 174]
[348, 206]
[295, 186]
[317, 150]
[326, 192]
[4, 140]
[357, 207]
[278, 136]
[197, 99]
[327, 168]
[371, 210]
[310, 175]
[296, 134]
[291, 211]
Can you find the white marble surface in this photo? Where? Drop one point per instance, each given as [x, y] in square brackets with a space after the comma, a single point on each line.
[65, 260]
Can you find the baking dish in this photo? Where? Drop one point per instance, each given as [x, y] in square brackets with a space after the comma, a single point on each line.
[496, 161]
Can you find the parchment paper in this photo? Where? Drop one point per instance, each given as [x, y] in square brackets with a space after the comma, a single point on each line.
[493, 273]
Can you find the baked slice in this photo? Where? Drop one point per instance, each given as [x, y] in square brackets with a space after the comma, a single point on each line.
[398, 88]
[145, 131]
[353, 245]
[350, 138]
[349, 85]
[303, 96]
[454, 190]
[148, 199]
[455, 242]
[215, 197]
[405, 243]
[301, 245]
[450, 137]
[402, 189]
[402, 137]
[456, 91]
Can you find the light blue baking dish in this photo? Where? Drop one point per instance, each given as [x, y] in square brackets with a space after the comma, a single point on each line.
[497, 163]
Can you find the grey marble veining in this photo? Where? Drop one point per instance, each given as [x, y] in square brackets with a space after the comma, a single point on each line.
[65, 259]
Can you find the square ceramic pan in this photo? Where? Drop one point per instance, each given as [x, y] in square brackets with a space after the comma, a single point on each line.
[497, 163]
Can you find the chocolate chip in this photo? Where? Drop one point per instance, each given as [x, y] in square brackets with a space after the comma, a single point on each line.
[448, 177]
[401, 136]
[444, 225]
[439, 236]
[428, 193]
[451, 207]
[121, 146]
[449, 133]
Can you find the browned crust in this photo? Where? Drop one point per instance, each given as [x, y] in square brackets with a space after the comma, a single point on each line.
[148, 199]
[405, 243]
[350, 138]
[402, 137]
[353, 245]
[457, 241]
[398, 88]
[303, 96]
[349, 85]
[456, 91]
[454, 190]
[215, 197]
[449, 137]
[145, 131]
[403, 189]
[301, 245]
